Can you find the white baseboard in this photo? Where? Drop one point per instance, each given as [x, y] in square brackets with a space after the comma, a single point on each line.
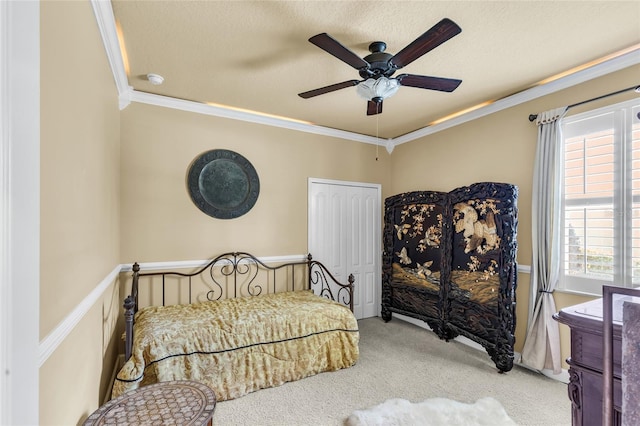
[424, 325]
[562, 377]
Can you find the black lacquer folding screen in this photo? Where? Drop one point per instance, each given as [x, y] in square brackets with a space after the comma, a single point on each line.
[450, 260]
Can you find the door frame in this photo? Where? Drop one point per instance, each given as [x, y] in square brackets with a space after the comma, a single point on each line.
[378, 233]
[19, 211]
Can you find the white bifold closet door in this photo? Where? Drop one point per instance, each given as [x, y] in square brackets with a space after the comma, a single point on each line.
[344, 234]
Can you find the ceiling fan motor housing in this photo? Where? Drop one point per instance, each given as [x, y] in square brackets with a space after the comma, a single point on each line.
[379, 62]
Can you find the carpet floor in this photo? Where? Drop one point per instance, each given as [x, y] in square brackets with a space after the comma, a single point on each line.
[401, 360]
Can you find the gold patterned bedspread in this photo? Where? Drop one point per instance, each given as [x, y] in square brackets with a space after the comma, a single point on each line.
[237, 346]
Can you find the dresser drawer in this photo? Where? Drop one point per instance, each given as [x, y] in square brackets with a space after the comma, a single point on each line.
[586, 362]
[587, 409]
[586, 351]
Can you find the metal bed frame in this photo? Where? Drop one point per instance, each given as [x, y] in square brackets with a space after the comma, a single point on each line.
[245, 274]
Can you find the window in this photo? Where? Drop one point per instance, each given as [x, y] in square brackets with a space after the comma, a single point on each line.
[601, 199]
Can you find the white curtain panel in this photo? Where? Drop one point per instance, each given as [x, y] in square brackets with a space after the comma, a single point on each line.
[542, 343]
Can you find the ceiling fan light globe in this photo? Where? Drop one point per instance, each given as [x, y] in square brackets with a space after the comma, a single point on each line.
[381, 87]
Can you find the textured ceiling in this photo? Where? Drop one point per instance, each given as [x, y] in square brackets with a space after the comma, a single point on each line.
[255, 55]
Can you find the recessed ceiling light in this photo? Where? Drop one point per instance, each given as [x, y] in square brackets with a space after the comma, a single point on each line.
[155, 79]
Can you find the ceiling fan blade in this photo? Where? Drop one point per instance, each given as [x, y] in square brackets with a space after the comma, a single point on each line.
[332, 46]
[374, 107]
[327, 89]
[434, 37]
[428, 82]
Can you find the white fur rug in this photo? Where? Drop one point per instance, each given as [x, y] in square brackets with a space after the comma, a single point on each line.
[431, 412]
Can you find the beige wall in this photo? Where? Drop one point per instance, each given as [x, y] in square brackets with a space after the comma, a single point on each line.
[161, 223]
[499, 147]
[113, 191]
[80, 196]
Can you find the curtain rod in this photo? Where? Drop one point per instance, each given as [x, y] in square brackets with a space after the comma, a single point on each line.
[636, 88]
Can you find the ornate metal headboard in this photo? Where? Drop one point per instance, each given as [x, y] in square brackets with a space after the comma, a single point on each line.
[240, 274]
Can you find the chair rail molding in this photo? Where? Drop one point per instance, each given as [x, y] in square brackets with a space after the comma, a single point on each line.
[50, 343]
[184, 264]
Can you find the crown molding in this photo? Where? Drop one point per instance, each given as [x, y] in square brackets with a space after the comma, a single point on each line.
[599, 70]
[107, 27]
[126, 94]
[124, 98]
[250, 116]
[390, 145]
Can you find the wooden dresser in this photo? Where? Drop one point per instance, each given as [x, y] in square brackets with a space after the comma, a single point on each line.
[586, 361]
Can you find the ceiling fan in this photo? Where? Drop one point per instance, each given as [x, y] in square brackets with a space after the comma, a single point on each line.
[377, 67]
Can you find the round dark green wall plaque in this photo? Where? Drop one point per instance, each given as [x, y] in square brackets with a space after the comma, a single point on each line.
[223, 184]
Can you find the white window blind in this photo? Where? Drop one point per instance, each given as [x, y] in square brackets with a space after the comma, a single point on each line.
[601, 199]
